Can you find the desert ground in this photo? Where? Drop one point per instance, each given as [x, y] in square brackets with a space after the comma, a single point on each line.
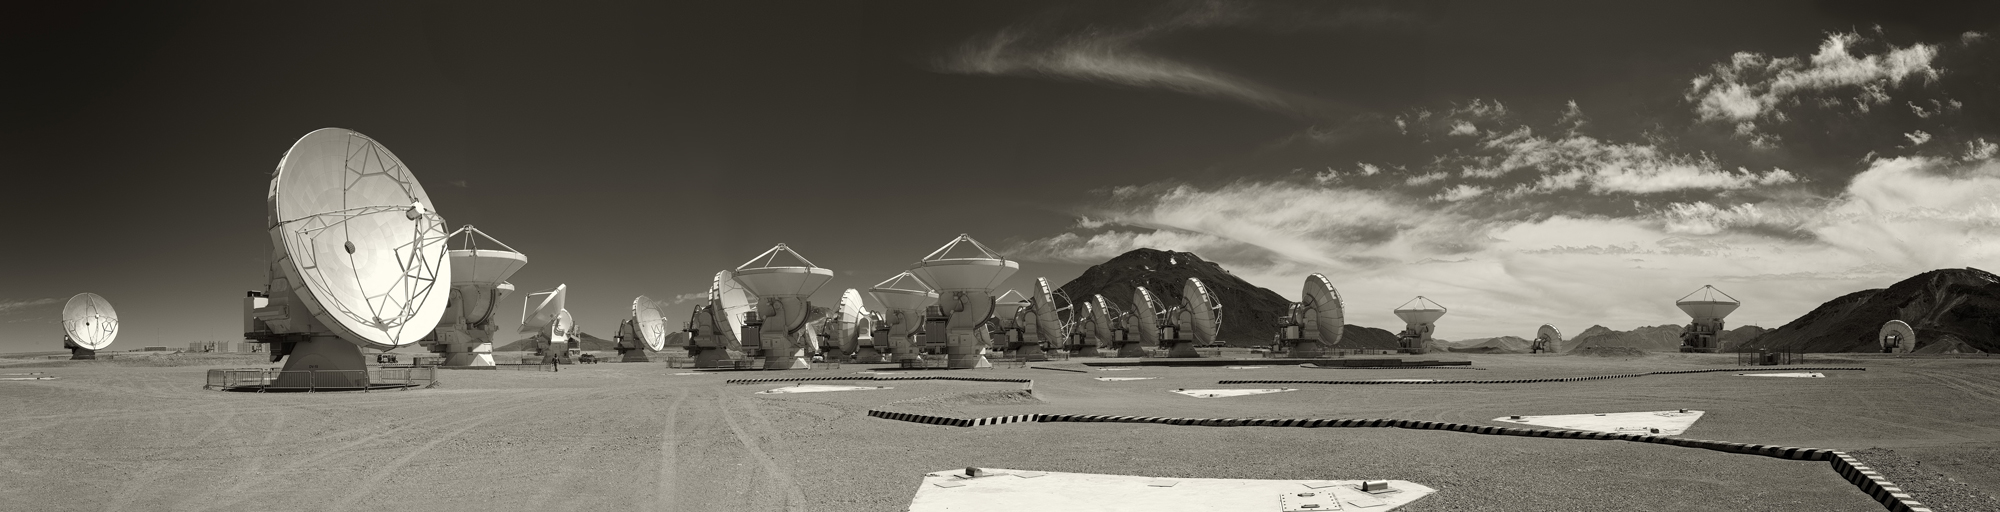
[144, 435]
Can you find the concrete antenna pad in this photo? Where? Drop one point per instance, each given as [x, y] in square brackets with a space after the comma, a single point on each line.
[1008, 491]
[1115, 379]
[1802, 375]
[818, 388]
[1213, 393]
[1246, 367]
[1113, 369]
[1668, 423]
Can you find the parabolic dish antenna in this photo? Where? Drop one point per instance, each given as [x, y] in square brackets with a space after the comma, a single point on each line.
[652, 324]
[1101, 316]
[363, 248]
[1547, 339]
[1420, 310]
[546, 311]
[1708, 303]
[1146, 311]
[1048, 313]
[1323, 308]
[89, 321]
[847, 319]
[560, 330]
[1204, 309]
[1897, 337]
[731, 301]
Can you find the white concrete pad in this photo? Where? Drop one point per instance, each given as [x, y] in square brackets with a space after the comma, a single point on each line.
[1246, 367]
[1006, 492]
[1213, 393]
[818, 388]
[1659, 423]
[1803, 375]
[1113, 369]
[1115, 379]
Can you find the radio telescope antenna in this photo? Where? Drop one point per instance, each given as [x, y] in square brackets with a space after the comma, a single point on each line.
[1142, 323]
[845, 325]
[1897, 337]
[1547, 339]
[716, 325]
[645, 331]
[359, 260]
[1420, 317]
[1012, 321]
[1316, 323]
[545, 320]
[478, 284]
[966, 286]
[1110, 325]
[1196, 321]
[1083, 337]
[781, 288]
[89, 325]
[1047, 321]
[1707, 306]
[904, 298]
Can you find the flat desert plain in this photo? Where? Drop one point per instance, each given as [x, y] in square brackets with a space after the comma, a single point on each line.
[112, 435]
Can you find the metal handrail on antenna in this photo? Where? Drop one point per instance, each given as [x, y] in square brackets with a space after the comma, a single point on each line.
[772, 255]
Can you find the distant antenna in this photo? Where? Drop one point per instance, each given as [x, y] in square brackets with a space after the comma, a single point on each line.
[1897, 337]
[479, 283]
[782, 291]
[904, 298]
[1420, 316]
[549, 322]
[1707, 307]
[1317, 322]
[1046, 317]
[1547, 339]
[89, 325]
[717, 324]
[360, 257]
[846, 325]
[645, 331]
[1105, 324]
[966, 287]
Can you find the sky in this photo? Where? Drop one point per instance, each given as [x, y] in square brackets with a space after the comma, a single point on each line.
[1521, 163]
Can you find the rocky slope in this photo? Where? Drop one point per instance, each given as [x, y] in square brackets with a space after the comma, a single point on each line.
[1249, 313]
[1960, 303]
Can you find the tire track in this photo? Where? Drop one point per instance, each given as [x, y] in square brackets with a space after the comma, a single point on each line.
[666, 480]
[383, 473]
[795, 499]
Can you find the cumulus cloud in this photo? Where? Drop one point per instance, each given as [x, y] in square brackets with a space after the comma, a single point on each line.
[1603, 167]
[1751, 85]
[686, 297]
[1460, 193]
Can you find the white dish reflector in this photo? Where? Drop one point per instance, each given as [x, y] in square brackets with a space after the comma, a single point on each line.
[730, 302]
[1204, 309]
[363, 247]
[89, 321]
[652, 324]
[546, 312]
[1324, 308]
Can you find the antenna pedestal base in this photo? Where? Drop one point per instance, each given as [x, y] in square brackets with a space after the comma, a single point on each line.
[1308, 348]
[76, 353]
[966, 351]
[1130, 349]
[469, 359]
[1181, 348]
[1083, 351]
[713, 357]
[868, 355]
[634, 356]
[324, 363]
[795, 360]
[1031, 352]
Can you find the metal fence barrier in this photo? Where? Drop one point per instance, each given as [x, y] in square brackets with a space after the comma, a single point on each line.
[1768, 358]
[274, 379]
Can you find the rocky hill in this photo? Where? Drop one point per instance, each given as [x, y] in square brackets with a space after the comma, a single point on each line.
[1958, 305]
[1366, 338]
[589, 343]
[1249, 313]
[1500, 345]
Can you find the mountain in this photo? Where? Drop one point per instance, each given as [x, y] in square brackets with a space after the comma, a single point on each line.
[1249, 313]
[1500, 345]
[1658, 338]
[1365, 338]
[1954, 305]
[589, 342]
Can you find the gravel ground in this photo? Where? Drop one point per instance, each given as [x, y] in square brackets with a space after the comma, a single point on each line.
[635, 437]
